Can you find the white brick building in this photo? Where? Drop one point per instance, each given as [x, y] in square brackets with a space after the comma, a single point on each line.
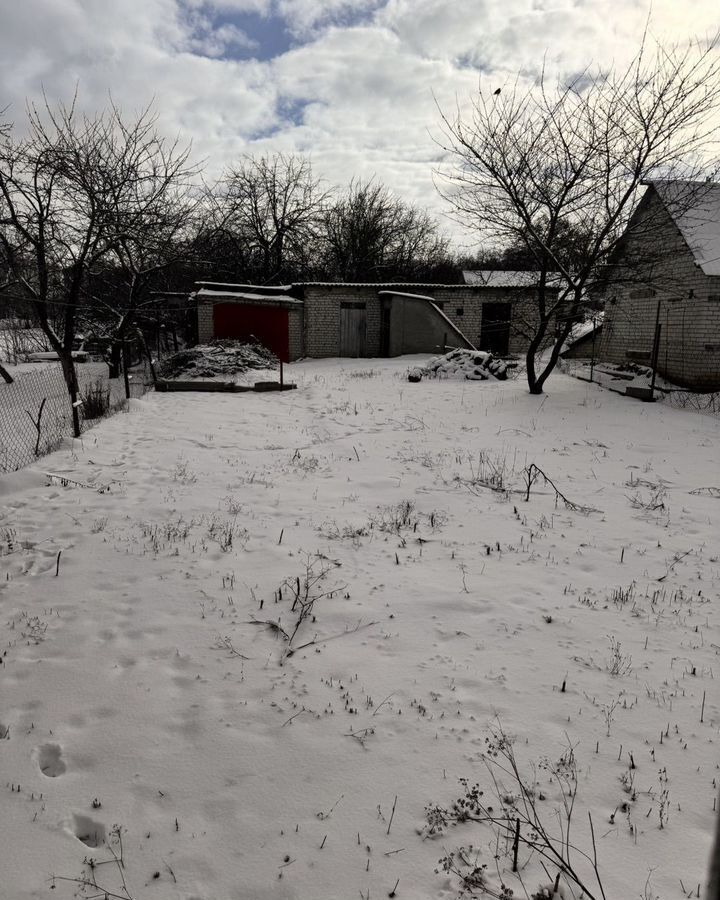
[322, 319]
[668, 273]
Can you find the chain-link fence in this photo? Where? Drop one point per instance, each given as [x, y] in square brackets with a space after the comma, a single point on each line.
[616, 378]
[682, 399]
[35, 410]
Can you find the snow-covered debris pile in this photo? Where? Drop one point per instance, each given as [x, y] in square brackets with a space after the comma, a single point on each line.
[473, 365]
[221, 358]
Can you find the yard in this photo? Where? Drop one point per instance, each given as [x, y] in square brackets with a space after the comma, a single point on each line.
[253, 642]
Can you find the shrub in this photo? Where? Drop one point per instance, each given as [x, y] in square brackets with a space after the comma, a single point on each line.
[95, 400]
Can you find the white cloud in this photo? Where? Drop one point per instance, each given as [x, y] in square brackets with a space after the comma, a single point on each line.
[304, 16]
[207, 39]
[360, 98]
[262, 7]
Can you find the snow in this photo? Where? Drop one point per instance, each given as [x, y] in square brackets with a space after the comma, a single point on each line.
[587, 327]
[143, 690]
[205, 293]
[222, 287]
[226, 360]
[470, 365]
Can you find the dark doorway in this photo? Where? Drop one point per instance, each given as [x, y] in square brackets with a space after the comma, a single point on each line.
[242, 322]
[495, 328]
[353, 329]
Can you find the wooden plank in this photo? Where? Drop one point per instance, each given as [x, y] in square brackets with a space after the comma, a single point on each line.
[206, 386]
[639, 393]
[223, 386]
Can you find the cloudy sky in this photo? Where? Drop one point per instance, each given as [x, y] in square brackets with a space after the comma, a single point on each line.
[353, 83]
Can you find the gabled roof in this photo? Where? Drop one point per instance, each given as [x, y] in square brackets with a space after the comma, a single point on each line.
[695, 209]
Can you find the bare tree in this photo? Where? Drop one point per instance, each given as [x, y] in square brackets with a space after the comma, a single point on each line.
[268, 208]
[73, 190]
[151, 205]
[368, 234]
[533, 164]
[52, 226]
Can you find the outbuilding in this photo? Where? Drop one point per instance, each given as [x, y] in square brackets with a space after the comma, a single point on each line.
[326, 319]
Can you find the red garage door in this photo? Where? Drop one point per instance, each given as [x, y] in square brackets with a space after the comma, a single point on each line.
[267, 324]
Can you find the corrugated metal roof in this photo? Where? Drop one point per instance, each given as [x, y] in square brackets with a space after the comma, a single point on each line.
[287, 288]
[496, 278]
[378, 284]
[226, 285]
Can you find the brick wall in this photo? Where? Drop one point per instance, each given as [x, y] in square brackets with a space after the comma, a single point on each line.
[322, 320]
[315, 331]
[462, 305]
[206, 328]
[689, 352]
[295, 333]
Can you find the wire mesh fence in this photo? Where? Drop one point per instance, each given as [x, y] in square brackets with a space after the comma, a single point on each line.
[614, 377]
[703, 403]
[36, 414]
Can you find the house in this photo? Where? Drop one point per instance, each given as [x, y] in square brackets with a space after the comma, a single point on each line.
[664, 286]
[324, 319]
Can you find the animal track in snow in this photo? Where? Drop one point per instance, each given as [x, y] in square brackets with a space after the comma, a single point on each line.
[87, 830]
[50, 761]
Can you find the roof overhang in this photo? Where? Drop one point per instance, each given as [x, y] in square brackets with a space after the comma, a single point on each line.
[249, 298]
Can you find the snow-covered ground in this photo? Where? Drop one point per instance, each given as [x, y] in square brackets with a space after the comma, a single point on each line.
[159, 687]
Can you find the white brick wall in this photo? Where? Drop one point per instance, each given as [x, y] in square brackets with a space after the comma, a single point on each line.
[690, 320]
[315, 330]
[322, 313]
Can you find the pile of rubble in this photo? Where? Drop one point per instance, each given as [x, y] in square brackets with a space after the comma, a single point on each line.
[220, 359]
[470, 365]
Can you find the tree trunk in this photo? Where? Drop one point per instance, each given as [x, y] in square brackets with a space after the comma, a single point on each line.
[535, 384]
[114, 361]
[125, 365]
[70, 375]
[148, 354]
[5, 374]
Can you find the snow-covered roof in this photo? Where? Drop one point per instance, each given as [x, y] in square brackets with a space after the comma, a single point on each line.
[380, 285]
[248, 296]
[582, 329]
[695, 208]
[225, 287]
[493, 278]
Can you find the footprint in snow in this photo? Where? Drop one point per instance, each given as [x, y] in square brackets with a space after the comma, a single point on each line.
[50, 761]
[87, 830]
